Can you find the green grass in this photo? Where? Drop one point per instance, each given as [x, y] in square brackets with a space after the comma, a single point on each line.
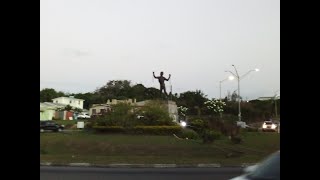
[104, 149]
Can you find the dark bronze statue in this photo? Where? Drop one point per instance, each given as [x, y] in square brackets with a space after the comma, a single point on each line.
[161, 81]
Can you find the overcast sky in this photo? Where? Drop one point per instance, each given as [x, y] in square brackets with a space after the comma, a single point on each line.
[86, 43]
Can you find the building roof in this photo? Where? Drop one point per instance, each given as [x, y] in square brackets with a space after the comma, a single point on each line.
[50, 105]
[142, 103]
[70, 97]
[97, 105]
[268, 98]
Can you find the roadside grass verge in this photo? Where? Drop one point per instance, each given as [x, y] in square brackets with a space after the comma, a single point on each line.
[145, 149]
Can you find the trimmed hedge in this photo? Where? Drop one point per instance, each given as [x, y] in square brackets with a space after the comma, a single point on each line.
[150, 130]
[189, 133]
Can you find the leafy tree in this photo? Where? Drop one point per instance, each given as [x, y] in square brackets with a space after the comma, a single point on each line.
[78, 110]
[152, 93]
[193, 100]
[137, 92]
[47, 94]
[68, 108]
[114, 89]
[215, 106]
[182, 111]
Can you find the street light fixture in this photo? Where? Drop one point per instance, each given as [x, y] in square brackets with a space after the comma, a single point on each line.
[239, 78]
[183, 124]
[275, 102]
[228, 78]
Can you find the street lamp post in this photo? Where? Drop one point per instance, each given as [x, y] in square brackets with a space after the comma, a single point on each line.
[238, 79]
[275, 103]
[230, 78]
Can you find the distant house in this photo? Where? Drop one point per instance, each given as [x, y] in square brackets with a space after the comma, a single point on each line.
[268, 98]
[170, 105]
[74, 102]
[127, 101]
[98, 109]
[48, 110]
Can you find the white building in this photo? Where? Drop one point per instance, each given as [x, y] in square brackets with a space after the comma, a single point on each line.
[48, 109]
[99, 109]
[74, 102]
[268, 98]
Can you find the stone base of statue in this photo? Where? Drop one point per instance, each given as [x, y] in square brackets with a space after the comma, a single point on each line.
[172, 109]
[170, 105]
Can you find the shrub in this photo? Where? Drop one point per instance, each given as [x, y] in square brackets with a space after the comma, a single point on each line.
[198, 123]
[151, 130]
[155, 114]
[189, 133]
[121, 115]
[209, 136]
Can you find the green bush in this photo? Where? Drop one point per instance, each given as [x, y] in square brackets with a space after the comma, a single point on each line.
[150, 130]
[210, 136]
[189, 133]
[121, 115]
[198, 123]
[155, 114]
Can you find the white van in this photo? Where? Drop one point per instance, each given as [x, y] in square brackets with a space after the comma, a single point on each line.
[83, 116]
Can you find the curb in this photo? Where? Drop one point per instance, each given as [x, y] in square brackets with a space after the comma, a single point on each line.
[209, 165]
[80, 164]
[213, 165]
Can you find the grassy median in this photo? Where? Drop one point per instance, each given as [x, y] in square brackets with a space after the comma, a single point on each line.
[87, 147]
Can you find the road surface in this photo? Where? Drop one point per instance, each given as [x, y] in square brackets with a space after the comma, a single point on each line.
[91, 173]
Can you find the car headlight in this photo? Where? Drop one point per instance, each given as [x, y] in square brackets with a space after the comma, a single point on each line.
[273, 126]
[264, 126]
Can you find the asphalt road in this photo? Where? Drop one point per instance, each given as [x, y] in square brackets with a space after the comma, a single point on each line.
[90, 173]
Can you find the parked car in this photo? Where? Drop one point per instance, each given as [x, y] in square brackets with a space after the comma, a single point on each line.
[268, 169]
[50, 126]
[83, 116]
[269, 126]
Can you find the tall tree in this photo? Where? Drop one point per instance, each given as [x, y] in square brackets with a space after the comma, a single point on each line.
[193, 100]
[47, 94]
[152, 93]
[137, 92]
[89, 99]
[115, 89]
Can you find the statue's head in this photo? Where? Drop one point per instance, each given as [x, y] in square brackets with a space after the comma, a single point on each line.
[161, 73]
